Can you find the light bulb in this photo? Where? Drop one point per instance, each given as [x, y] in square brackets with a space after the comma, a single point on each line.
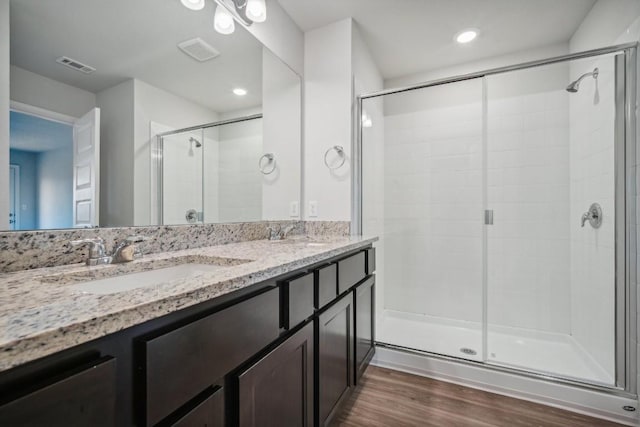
[256, 10]
[240, 91]
[193, 4]
[223, 21]
[466, 36]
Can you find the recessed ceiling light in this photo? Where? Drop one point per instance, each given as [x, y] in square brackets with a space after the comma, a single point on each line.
[466, 36]
[193, 4]
[239, 91]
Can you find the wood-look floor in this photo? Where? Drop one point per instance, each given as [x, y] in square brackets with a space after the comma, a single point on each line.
[396, 399]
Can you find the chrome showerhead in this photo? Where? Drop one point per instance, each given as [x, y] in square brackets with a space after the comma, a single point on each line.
[575, 85]
[198, 143]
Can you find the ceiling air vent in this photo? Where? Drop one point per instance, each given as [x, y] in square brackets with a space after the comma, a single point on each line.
[198, 49]
[76, 65]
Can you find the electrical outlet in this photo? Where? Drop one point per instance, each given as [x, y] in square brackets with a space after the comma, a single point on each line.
[313, 209]
[294, 209]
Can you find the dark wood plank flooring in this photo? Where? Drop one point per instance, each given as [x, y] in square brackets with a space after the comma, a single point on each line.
[391, 398]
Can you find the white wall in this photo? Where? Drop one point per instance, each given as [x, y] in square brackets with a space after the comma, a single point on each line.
[327, 118]
[4, 112]
[282, 36]
[486, 64]
[55, 188]
[39, 91]
[156, 105]
[116, 155]
[282, 136]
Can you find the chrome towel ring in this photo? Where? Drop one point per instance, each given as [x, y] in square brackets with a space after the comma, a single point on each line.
[264, 166]
[338, 149]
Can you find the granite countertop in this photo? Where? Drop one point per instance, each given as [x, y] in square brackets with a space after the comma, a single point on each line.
[42, 312]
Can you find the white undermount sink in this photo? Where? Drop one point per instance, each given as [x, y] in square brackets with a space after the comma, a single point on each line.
[129, 282]
[114, 278]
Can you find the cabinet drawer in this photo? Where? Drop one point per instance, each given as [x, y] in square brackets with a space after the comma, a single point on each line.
[299, 300]
[350, 271]
[208, 412]
[180, 364]
[326, 285]
[370, 264]
[81, 397]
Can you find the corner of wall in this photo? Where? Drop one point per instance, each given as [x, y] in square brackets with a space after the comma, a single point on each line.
[4, 109]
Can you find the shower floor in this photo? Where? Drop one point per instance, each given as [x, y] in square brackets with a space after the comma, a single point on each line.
[541, 352]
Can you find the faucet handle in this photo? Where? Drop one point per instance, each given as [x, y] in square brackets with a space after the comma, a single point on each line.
[136, 239]
[96, 246]
[97, 252]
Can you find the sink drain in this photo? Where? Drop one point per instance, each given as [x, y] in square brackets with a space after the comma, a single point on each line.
[468, 351]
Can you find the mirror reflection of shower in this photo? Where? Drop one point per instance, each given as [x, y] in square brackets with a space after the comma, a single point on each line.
[574, 86]
[191, 141]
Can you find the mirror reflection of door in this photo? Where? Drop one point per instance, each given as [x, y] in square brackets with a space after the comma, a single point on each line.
[43, 191]
[14, 197]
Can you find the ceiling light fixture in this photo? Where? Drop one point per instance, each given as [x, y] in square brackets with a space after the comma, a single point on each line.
[193, 4]
[223, 21]
[466, 36]
[256, 10]
[240, 91]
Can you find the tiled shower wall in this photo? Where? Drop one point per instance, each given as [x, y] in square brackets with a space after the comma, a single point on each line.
[592, 138]
[528, 190]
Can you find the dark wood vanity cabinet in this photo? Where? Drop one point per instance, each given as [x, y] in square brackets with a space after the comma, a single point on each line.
[81, 396]
[335, 357]
[284, 352]
[364, 299]
[277, 390]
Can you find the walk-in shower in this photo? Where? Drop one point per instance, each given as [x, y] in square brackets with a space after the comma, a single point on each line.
[504, 201]
[208, 173]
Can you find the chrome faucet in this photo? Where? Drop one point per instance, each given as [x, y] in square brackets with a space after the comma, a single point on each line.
[124, 251]
[277, 233]
[127, 250]
[97, 251]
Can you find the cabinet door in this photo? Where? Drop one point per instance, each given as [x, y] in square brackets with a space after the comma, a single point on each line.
[335, 357]
[364, 325]
[82, 397]
[206, 412]
[278, 390]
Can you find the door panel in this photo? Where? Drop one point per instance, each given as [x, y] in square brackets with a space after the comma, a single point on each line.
[86, 170]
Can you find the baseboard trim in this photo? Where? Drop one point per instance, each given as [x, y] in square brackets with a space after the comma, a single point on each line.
[583, 401]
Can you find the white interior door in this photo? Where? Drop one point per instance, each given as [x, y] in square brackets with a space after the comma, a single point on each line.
[86, 169]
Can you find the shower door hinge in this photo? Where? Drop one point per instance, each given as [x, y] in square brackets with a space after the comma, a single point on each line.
[488, 216]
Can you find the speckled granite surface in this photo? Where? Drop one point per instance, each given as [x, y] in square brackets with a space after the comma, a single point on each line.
[49, 248]
[40, 315]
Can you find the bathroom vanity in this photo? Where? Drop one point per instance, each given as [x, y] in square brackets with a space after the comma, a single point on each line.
[280, 339]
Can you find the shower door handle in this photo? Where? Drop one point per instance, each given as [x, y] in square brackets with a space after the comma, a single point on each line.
[488, 217]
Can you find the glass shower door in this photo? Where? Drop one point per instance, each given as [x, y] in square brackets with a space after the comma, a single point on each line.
[551, 248]
[423, 195]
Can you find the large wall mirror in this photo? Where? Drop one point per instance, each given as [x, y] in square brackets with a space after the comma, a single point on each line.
[139, 113]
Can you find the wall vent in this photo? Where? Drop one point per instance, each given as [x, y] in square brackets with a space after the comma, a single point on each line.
[75, 65]
[198, 49]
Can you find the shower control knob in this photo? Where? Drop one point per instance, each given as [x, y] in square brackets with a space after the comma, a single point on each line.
[593, 215]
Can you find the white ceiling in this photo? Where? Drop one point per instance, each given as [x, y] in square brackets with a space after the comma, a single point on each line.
[410, 36]
[126, 39]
